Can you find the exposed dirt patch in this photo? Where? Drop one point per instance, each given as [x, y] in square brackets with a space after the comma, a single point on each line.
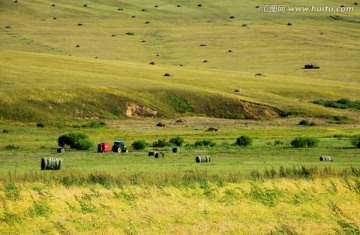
[134, 110]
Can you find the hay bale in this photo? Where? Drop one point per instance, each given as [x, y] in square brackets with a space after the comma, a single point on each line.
[203, 45]
[205, 61]
[232, 17]
[237, 90]
[133, 16]
[244, 25]
[53, 5]
[8, 27]
[257, 7]
[143, 9]
[156, 6]
[326, 159]
[114, 35]
[60, 150]
[51, 163]
[85, 5]
[160, 124]
[151, 153]
[355, 3]
[54, 18]
[311, 66]
[202, 159]
[120, 9]
[147, 22]
[260, 75]
[152, 63]
[289, 24]
[80, 24]
[179, 120]
[229, 51]
[199, 5]
[178, 5]
[176, 150]
[167, 75]
[77, 45]
[159, 154]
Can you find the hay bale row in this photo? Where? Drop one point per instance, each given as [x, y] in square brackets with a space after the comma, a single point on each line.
[200, 159]
[48, 163]
[326, 158]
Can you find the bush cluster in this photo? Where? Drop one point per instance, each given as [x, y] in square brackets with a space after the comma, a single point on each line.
[139, 144]
[356, 141]
[76, 140]
[305, 142]
[342, 103]
[244, 141]
[200, 143]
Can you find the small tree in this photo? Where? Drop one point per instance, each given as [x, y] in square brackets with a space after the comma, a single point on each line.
[244, 141]
[139, 144]
[160, 143]
[356, 141]
[76, 140]
[302, 142]
[177, 141]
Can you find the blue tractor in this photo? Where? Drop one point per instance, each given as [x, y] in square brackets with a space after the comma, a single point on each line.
[119, 147]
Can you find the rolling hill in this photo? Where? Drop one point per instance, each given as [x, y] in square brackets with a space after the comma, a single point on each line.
[64, 60]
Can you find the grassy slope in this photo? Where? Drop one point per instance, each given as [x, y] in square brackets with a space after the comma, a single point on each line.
[44, 74]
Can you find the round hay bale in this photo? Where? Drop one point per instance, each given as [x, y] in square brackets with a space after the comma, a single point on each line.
[230, 51]
[120, 9]
[289, 24]
[8, 27]
[60, 150]
[160, 124]
[143, 9]
[77, 45]
[147, 22]
[159, 154]
[80, 24]
[53, 5]
[156, 6]
[133, 16]
[85, 5]
[355, 3]
[237, 91]
[178, 5]
[199, 5]
[51, 163]
[151, 153]
[203, 45]
[200, 159]
[205, 61]
[114, 35]
[176, 150]
[54, 18]
[152, 63]
[232, 17]
[244, 25]
[167, 75]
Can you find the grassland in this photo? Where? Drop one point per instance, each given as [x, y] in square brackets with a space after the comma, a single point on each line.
[262, 189]
[46, 77]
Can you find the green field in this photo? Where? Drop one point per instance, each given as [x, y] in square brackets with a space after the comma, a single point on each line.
[67, 67]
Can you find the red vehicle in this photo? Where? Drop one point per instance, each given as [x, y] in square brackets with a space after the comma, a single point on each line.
[104, 147]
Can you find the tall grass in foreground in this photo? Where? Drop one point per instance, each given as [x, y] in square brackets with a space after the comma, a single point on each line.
[177, 178]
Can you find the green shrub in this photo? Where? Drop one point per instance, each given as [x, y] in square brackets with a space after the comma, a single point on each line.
[200, 143]
[177, 141]
[139, 144]
[278, 142]
[6, 131]
[41, 125]
[356, 141]
[244, 141]
[76, 140]
[302, 142]
[160, 143]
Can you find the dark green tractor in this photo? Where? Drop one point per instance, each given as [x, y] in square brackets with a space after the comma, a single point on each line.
[119, 147]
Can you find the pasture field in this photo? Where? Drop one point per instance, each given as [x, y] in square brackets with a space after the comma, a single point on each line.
[261, 189]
